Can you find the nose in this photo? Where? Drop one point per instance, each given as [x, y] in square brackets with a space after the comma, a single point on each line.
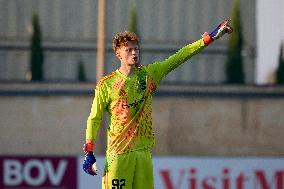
[134, 51]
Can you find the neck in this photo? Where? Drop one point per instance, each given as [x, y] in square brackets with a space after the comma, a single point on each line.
[126, 69]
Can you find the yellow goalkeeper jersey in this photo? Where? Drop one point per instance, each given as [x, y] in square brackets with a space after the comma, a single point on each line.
[128, 100]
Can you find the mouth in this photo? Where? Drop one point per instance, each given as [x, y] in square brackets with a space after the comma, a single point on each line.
[135, 58]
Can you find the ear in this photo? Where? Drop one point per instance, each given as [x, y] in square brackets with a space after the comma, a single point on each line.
[118, 55]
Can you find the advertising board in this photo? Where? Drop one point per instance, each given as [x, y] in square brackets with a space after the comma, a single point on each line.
[170, 172]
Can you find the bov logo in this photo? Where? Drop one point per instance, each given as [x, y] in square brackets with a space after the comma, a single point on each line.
[38, 172]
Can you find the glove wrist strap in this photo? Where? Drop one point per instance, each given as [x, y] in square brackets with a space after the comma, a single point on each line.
[207, 39]
[89, 147]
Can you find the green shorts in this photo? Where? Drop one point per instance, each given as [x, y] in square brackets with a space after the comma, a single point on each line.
[133, 170]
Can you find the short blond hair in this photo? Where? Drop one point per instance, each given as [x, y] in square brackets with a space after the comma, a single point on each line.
[121, 39]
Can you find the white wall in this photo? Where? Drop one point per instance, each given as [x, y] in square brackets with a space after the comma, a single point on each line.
[216, 120]
[270, 33]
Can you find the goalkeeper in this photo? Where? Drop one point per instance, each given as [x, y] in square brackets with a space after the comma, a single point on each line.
[126, 94]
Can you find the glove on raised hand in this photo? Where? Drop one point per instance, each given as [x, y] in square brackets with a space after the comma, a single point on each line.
[89, 165]
[218, 32]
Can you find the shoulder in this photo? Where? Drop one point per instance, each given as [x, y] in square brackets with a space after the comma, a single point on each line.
[151, 68]
[104, 80]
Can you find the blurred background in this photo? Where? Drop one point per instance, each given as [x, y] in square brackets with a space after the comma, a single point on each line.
[226, 103]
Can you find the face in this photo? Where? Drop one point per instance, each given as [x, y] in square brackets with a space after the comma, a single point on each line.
[129, 54]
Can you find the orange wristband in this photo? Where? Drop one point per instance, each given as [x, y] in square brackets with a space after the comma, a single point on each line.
[207, 39]
[89, 147]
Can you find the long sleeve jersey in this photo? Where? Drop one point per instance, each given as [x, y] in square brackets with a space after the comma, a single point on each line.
[128, 101]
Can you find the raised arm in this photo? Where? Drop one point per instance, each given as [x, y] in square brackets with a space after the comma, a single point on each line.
[160, 69]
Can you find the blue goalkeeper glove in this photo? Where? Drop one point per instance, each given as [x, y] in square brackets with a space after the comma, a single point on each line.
[218, 32]
[89, 165]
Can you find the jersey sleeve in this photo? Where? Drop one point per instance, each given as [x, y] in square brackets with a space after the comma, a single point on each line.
[159, 70]
[99, 105]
